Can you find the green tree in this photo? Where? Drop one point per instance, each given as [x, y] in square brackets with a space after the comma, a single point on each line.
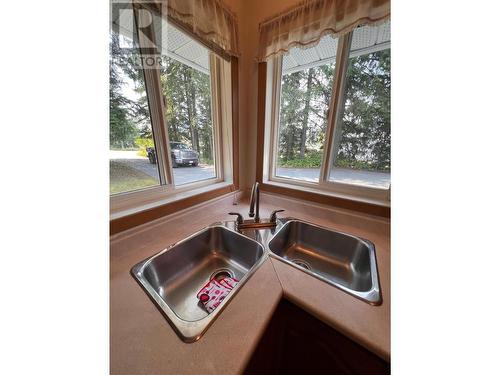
[128, 118]
[188, 106]
[366, 125]
[305, 96]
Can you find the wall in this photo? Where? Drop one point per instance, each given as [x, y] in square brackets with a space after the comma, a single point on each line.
[250, 13]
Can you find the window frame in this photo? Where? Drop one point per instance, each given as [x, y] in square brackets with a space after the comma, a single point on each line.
[223, 128]
[333, 131]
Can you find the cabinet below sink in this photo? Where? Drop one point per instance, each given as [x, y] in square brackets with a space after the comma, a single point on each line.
[296, 342]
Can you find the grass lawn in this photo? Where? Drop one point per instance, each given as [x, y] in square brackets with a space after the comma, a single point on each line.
[125, 178]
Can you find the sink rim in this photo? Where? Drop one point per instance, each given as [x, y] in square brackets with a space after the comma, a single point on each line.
[191, 331]
[372, 297]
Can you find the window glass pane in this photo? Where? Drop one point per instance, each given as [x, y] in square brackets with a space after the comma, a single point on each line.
[306, 85]
[362, 143]
[129, 121]
[185, 77]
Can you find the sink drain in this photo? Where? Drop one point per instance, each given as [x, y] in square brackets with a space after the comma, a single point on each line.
[222, 273]
[302, 263]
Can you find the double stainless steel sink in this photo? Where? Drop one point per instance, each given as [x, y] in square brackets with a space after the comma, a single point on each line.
[173, 277]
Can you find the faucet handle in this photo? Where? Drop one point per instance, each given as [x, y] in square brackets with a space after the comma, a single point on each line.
[239, 218]
[274, 217]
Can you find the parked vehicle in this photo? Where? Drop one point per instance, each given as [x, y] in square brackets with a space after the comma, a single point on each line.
[151, 154]
[181, 155]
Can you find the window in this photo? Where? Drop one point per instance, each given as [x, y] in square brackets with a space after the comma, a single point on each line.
[170, 130]
[185, 77]
[362, 153]
[331, 130]
[305, 97]
[129, 121]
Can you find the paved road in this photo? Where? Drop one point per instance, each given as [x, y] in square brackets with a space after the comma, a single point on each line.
[182, 175]
[348, 176]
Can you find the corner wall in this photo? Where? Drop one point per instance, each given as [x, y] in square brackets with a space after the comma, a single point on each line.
[250, 14]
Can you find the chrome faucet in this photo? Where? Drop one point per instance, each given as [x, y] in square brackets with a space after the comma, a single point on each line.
[254, 213]
[254, 203]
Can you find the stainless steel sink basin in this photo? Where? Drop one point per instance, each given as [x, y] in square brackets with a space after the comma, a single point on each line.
[173, 277]
[339, 259]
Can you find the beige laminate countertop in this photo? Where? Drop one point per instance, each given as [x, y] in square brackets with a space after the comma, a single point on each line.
[142, 341]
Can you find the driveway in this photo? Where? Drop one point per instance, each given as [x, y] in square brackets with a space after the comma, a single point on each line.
[182, 175]
[348, 176]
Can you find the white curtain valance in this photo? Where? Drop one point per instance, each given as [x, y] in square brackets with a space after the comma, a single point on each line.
[305, 24]
[211, 22]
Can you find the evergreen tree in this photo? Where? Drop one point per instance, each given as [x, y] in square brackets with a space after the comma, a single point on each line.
[365, 126]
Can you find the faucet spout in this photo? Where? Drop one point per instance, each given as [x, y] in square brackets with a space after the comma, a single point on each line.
[254, 212]
[254, 203]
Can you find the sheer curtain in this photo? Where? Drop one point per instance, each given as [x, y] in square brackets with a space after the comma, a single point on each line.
[211, 22]
[305, 24]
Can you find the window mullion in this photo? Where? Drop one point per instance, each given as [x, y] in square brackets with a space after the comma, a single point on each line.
[215, 89]
[336, 104]
[159, 124]
[275, 111]
[156, 103]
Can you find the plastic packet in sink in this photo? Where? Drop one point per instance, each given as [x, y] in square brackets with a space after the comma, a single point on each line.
[214, 292]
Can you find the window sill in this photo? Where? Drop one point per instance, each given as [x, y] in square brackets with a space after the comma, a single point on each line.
[124, 204]
[372, 206]
[126, 218]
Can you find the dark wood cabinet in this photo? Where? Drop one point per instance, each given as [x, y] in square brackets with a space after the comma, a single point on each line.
[295, 342]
